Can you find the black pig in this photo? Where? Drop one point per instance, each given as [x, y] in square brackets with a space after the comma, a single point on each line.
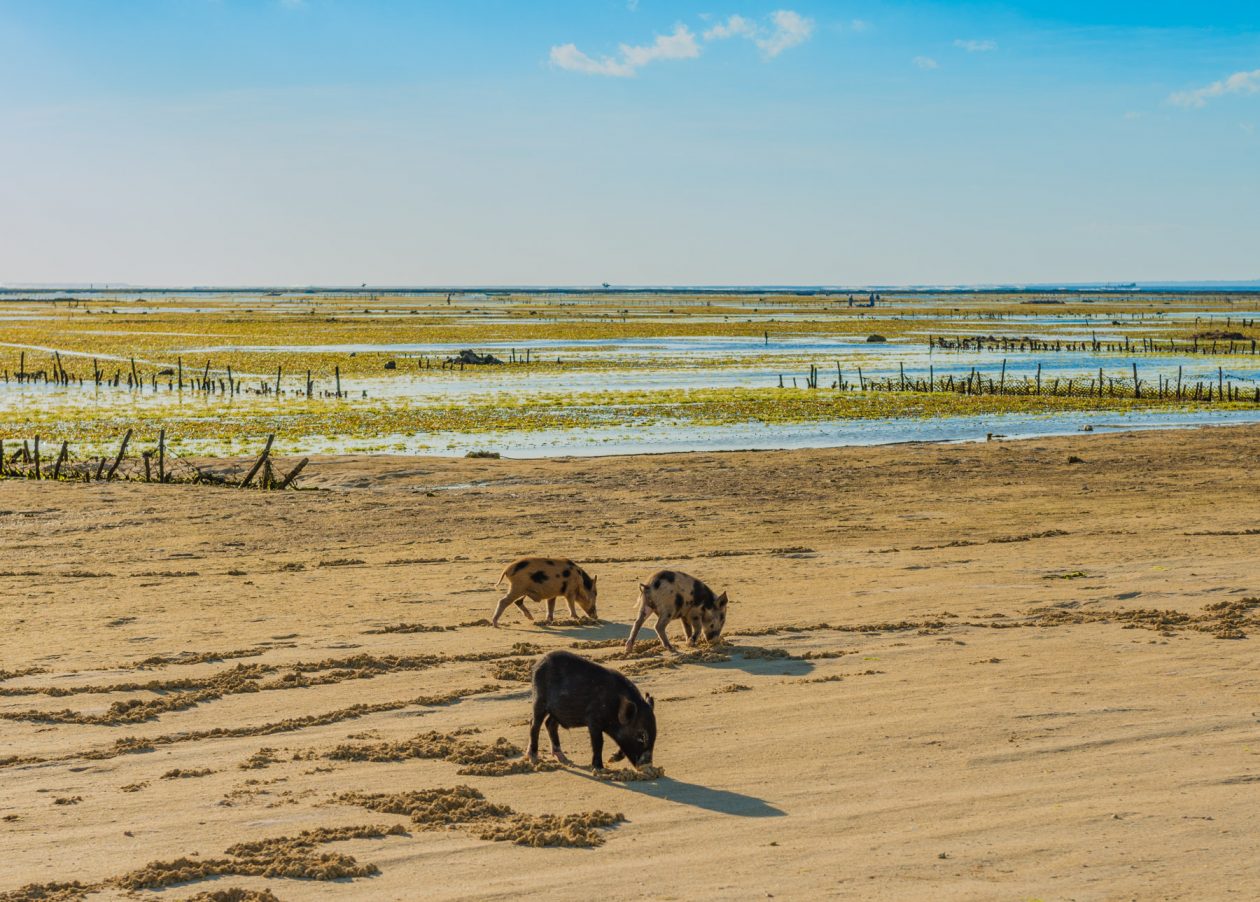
[570, 691]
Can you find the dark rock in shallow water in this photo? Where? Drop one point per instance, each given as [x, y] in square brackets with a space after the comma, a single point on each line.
[472, 357]
[875, 338]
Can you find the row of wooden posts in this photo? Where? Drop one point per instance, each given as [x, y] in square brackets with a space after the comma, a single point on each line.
[1128, 346]
[174, 379]
[26, 461]
[976, 383]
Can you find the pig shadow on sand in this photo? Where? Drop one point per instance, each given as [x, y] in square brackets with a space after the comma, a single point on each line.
[757, 666]
[722, 801]
[587, 630]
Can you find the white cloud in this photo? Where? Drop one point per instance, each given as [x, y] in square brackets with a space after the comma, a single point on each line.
[1238, 83]
[735, 26]
[926, 62]
[974, 46]
[787, 29]
[790, 29]
[680, 44]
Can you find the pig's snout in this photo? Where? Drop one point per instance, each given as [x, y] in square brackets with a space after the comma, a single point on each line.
[645, 760]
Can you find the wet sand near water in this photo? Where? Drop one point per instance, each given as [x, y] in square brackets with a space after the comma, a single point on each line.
[957, 672]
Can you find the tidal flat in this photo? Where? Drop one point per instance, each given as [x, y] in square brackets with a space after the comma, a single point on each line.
[614, 372]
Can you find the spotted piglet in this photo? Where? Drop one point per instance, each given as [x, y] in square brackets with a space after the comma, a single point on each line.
[669, 594]
[546, 579]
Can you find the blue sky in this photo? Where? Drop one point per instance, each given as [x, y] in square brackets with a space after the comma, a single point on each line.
[339, 142]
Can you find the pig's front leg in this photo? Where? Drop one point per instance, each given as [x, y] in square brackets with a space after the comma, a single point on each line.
[551, 610]
[638, 624]
[597, 748]
[693, 634]
[535, 723]
[553, 730]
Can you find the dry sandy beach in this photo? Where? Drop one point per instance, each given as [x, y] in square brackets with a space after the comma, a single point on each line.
[945, 677]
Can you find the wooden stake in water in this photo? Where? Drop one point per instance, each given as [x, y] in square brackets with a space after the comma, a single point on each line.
[262, 459]
[61, 458]
[122, 449]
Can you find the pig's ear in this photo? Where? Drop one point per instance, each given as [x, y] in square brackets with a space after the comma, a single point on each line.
[594, 580]
[651, 701]
[626, 710]
[722, 600]
[642, 587]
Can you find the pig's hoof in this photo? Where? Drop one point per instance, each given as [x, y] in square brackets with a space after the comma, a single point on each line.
[629, 647]
[561, 756]
[532, 757]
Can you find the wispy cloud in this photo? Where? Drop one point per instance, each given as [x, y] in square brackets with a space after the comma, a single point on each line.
[790, 29]
[926, 62]
[735, 26]
[974, 46]
[859, 25]
[1238, 83]
[785, 30]
[679, 44]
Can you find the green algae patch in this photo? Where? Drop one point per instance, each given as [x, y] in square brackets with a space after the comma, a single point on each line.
[234, 426]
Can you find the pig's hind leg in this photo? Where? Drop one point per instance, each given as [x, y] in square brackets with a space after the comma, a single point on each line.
[553, 730]
[551, 610]
[638, 625]
[502, 606]
[661, 622]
